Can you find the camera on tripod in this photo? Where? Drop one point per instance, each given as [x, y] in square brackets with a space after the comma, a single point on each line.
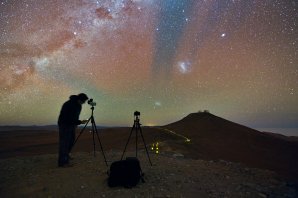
[137, 128]
[137, 116]
[91, 102]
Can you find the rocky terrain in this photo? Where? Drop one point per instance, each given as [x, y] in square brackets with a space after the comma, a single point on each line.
[170, 176]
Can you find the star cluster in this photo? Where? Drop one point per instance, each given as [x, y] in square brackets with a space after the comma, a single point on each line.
[164, 58]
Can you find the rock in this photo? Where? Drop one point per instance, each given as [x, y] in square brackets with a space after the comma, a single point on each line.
[262, 195]
[178, 155]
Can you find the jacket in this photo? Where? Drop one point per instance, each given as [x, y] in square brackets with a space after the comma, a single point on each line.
[70, 112]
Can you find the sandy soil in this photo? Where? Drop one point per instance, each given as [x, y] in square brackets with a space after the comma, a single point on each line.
[170, 176]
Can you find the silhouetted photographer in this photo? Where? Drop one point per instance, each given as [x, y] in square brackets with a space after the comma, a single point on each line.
[67, 122]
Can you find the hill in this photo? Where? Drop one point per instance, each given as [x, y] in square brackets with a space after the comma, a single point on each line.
[213, 137]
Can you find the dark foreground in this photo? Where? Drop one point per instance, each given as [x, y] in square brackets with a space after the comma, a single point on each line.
[170, 176]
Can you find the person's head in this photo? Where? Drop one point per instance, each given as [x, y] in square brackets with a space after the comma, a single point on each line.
[82, 98]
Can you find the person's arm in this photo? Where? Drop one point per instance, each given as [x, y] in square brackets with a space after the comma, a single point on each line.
[70, 114]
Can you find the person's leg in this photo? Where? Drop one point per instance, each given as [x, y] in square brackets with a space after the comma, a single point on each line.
[64, 141]
[72, 139]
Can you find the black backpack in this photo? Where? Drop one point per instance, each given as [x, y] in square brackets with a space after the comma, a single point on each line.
[125, 173]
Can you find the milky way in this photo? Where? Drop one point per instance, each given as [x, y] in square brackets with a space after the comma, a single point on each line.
[164, 58]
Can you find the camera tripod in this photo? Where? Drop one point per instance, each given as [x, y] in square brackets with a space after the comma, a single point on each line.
[94, 130]
[137, 128]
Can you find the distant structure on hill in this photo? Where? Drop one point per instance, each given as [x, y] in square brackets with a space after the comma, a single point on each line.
[205, 111]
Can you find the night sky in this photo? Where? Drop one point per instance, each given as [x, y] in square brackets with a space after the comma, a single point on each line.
[165, 58]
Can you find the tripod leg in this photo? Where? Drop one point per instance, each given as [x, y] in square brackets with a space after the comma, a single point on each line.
[127, 141]
[145, 144]
[81, 132]
[92, 120]
[136, 141]
[100, 144]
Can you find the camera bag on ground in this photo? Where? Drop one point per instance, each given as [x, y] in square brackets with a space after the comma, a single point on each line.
[125, 173]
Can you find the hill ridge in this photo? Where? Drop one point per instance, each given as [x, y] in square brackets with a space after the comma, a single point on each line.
[213, 137]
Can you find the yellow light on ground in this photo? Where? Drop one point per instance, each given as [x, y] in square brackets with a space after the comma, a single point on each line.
[155, 147]
[187, 140]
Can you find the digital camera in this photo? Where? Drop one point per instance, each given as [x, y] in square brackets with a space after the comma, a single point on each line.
[91, 102]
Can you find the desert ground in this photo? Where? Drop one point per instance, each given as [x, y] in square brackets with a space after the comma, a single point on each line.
[221, 159]
[170, 176]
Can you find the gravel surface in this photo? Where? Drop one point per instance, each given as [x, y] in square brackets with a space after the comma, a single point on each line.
[170, 176]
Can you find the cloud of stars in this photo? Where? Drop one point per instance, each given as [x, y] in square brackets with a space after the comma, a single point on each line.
[166, 59]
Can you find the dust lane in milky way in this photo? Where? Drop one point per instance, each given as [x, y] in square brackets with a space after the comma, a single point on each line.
[236, 58]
